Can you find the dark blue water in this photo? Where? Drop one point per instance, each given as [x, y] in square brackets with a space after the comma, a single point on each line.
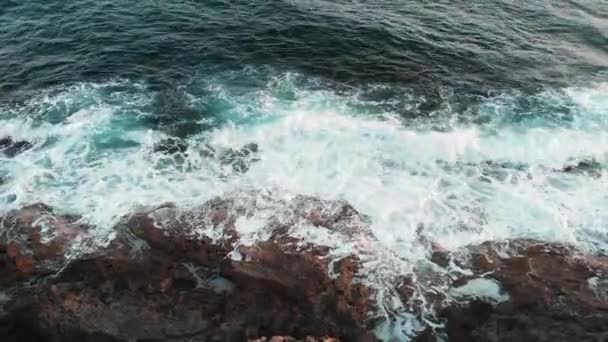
[476, 120]
[483, 47]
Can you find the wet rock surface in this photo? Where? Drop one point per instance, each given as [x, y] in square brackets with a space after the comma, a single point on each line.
[240, 159]
[174, 274]
[170, 146]
[164, 279]
[539, 292]
[34, 242]
[589, 167]
[10, 147]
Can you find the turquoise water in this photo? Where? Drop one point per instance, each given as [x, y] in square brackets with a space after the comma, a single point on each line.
[491, 173]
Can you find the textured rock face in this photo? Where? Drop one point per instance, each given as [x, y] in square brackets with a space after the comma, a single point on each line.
[550, 292]
[163, 280]
[193, 275]
[34, 242]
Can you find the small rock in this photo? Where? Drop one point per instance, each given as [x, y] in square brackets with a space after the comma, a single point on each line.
[6, 142]
[170, 146]
[440, 257]
[11, 148]
[240, 159]
[587, 167]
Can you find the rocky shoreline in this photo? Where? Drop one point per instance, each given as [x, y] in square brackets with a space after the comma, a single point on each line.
[176, 274]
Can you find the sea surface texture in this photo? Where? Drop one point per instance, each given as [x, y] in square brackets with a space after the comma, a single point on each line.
[470, 120]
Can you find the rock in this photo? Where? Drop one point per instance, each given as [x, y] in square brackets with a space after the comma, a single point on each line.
[176, 274]
[440, 256]
[302, 278]
[326, 213]
[554, 294]
[6, 142]
[250, 148]
[240, 159]
[171, 275]
[177, 231]
[34, 242]
[584, 167]
[11, 148]
[170, 146]
[208, 151]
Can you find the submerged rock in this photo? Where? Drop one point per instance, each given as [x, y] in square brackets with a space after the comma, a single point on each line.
[170, 146]
[584, 167]
[240, 159]
[11, 148]
[490, 171]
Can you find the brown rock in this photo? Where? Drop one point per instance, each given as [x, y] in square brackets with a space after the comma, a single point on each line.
[168, 276]
[185, 275]
[550, 295]
[29, 249]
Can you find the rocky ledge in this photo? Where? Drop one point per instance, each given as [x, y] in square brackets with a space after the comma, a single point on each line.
[549, 292]
[173, 274]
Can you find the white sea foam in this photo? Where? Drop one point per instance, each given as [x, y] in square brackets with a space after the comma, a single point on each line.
[481, 288]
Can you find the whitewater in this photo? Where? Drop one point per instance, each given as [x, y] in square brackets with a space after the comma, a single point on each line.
[461, 181]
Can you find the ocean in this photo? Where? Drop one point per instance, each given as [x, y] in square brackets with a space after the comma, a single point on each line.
[476, 121]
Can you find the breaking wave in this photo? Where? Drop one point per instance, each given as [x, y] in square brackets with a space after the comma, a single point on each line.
[471, 169]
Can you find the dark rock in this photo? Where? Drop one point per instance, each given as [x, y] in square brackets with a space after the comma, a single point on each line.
[170, 146]
[11, 148]
[28, 249]
[6, 142]
[175, 274]
[250, 148]
[240, 159]
[173, 230]
[584, 167]
[554, 294]
[208, 151]
[163, 279]
[440, 257]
